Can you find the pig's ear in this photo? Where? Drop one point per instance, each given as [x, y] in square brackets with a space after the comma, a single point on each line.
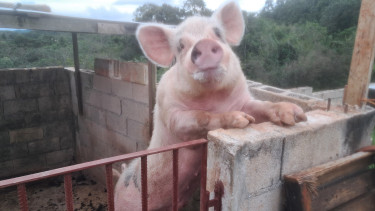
[231, 19]
[154, 41]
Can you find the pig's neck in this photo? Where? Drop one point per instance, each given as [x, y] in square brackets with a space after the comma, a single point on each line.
[212, 98]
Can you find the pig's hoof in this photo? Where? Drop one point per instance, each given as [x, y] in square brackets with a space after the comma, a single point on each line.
[239, 119]
[287, 114]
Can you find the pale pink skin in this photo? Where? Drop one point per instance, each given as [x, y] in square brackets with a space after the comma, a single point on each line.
[194, 96]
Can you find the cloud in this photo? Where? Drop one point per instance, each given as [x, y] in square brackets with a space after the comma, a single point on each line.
[110, 13]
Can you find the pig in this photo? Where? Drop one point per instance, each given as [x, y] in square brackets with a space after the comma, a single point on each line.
[205, 89]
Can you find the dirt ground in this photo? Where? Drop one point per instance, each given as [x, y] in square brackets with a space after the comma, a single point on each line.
[48, 195]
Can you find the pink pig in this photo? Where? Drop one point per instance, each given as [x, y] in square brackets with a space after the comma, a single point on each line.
[204, 90]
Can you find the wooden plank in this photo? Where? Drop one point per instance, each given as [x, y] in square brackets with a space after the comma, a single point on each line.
[334, 195]
[363, 55]
[328, 171]
[366, 202]
[332, 184]
[21, 19]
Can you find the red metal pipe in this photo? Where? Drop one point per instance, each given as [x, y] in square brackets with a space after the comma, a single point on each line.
[22, 197]
[87, 165]
[175, 180]
[109, 183]
[144, 182]
[203, 196]
[68, 192]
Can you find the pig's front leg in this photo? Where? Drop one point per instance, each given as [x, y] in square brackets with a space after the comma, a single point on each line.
[281, 113]
[194, 124]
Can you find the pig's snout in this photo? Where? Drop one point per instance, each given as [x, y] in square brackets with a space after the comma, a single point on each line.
[207, 54]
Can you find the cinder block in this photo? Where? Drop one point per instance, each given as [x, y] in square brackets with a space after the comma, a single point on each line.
[43, 146]
[86, 79]
[103, 67]
[116, 122]
[140, 93]
[4, 138]
[48, 75]
[61, 74]
[251, 162]
[138, 131]
[15, 106]
[27, 75]
[122, 89]
[29, 164]
[104, 101]
[7, 93]
[269, 200]
[26, 134]
[7, 77]
[34, 90]
[102, 84]
[135, 111]
[59, 156]
[67, 141]
[59, 102]
[58, 129]
[246, 161]
[126, 71]
[62, 88]
[7, 167]
[94, 114]
[134, 72]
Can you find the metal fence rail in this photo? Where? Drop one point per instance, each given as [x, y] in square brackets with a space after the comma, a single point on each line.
[107, 162]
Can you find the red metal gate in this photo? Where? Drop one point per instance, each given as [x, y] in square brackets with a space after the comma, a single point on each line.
[205, 203]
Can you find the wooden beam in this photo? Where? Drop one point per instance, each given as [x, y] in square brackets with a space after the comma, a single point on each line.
[363, 55]
[21, 19]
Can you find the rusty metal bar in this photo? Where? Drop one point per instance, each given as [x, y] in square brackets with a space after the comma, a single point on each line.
[22, 197]
[175, 180]
[77, 73]
[87, 165]
[144, 182]
[203, 196]
[68, 192]
[109, 181]
[151, 94]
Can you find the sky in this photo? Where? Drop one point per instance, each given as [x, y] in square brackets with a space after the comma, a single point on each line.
[121, 10]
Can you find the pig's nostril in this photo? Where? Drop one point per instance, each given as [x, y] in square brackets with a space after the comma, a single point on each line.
[214, 50]
[195, 54]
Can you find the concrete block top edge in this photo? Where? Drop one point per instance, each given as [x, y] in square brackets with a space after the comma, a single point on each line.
[34, 68]
[256, 134]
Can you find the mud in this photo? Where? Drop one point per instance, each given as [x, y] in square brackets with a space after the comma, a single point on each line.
[48, 195]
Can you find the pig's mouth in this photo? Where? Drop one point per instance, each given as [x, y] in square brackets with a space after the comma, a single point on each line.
[211, 74]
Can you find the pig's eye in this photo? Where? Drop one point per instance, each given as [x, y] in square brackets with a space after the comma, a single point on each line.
[180, 47]
[218, 33]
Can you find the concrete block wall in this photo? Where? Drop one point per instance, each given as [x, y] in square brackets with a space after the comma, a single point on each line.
[36, 120]
[251, 162]
[115, 116]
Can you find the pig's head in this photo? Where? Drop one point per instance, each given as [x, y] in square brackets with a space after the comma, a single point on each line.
[200, 46]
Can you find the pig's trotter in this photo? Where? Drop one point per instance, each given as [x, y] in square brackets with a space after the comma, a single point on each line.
[237, 119]
[286, 114]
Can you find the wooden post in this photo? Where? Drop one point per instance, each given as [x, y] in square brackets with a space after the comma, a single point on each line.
[363, 55]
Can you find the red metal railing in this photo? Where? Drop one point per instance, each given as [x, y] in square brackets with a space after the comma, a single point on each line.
[107, 162]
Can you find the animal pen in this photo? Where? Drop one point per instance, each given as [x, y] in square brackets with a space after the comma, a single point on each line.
[54, 117]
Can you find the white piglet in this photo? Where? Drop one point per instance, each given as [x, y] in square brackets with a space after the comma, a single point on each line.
[204, 90]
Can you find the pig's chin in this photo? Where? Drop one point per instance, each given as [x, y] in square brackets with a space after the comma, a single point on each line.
[209, 75]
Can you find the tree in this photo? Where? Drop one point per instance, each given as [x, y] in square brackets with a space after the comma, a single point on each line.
[161, 14]
[196, 7]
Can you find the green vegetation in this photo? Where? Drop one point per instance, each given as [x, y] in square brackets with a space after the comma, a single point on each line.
[289, 43]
